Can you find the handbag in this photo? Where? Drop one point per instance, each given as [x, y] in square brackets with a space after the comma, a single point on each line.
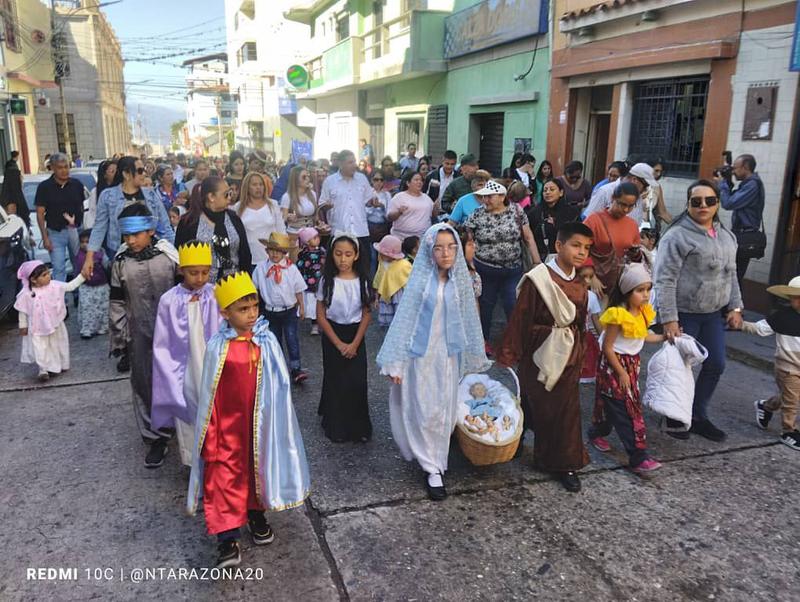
[606, 265]
[751, 244]
[527, 260]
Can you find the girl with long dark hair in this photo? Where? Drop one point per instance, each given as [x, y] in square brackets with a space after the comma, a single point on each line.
[343, 314]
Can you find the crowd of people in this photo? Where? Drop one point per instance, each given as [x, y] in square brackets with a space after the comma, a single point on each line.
[201, 272]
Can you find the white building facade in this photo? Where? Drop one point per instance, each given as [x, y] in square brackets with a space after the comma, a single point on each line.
[210, 109]
[262, 45]
[93, 90]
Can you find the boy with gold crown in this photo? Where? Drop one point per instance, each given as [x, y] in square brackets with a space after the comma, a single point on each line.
[248, 455]
[188, 316]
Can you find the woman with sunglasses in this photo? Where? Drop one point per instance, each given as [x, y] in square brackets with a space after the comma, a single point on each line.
[377, 222]
[698, 294]
[260, 214]
[210, 220]
[128, 189]
[298, 206]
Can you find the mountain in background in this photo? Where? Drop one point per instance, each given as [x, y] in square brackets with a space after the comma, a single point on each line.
[154, 121]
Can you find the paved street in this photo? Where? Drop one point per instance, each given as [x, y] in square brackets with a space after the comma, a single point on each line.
[718, 522]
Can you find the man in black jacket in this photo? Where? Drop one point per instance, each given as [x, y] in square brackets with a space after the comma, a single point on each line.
[460, 185]
[439, 179]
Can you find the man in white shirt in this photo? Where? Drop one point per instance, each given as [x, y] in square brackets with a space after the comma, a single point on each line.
[410, 162]
[347, 193]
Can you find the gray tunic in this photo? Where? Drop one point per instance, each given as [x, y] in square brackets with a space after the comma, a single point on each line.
[137, 283]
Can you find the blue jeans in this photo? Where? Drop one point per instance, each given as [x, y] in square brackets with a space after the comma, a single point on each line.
[285, 323]
[709, 330]
[65, 242]
[497, 282]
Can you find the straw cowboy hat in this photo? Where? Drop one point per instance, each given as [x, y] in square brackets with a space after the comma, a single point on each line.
[277, 241]
[784, 291]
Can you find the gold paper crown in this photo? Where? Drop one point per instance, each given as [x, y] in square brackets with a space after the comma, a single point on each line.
[231, 289]
[194, 254]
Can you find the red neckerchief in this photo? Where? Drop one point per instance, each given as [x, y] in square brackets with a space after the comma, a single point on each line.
[276, 270]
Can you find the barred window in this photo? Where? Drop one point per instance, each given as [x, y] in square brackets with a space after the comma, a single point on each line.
[668, 120]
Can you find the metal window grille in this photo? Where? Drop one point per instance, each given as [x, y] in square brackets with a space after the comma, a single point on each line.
[668, 120]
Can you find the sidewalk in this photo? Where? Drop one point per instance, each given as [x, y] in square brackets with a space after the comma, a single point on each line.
[758, 352]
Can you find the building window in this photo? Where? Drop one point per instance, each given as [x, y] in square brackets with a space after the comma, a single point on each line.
[73, 141]
[225, 114]
[342, 27]
[246, 53]
[668, 120]
[10, 25]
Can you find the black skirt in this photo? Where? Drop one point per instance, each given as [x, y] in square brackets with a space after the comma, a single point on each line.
[343, 405]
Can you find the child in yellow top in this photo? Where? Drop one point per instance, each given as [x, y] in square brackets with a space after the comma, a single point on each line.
[391, 277]
[617, 400]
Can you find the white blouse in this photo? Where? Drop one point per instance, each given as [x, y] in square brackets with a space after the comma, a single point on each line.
[260, 223]
[306, 208]
[346, 301]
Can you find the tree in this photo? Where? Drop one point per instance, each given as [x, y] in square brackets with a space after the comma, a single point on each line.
[176, 131]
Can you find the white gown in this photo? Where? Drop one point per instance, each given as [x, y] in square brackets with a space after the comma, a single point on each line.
[423, 410]
[191, 381]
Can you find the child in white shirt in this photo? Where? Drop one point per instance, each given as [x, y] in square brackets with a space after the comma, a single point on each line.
[281, 288]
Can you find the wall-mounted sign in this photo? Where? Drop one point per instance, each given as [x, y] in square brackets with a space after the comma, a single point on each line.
[297, 76]
[491, 23]
[18, 106]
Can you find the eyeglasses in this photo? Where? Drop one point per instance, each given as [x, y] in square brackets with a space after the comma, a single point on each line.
[445, 250]
[140, 170]
[229, 193]
[697, 201]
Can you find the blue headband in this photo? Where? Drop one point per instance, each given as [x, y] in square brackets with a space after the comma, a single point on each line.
[137, 223]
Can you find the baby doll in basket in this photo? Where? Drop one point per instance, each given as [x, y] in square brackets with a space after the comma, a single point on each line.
[481, 403]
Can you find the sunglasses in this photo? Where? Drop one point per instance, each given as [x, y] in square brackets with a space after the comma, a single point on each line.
[140, 170]
[377, 179]
[229, 193]
[697, 201]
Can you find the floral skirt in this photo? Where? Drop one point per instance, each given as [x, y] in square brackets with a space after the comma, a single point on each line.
[608, 386]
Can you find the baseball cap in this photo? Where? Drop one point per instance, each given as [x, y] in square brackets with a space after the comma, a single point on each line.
[644, 172]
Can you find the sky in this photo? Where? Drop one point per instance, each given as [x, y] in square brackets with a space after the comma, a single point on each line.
[149, 30]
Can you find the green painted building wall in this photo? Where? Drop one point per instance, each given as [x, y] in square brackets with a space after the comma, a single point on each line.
[466, 87]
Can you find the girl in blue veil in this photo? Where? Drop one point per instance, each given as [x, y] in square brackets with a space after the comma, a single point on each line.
[433, 341]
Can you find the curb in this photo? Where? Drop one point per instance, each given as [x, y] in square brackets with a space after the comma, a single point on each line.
[749, 359]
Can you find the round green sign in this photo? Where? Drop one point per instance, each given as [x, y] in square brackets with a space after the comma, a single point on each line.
[297, 76]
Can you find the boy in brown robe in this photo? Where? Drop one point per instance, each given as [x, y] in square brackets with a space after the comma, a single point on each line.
[545, 336]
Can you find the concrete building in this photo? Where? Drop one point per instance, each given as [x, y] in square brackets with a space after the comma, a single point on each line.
[93, 87]
[684, 80]
[262, 45]
[27, 71]
[210, 109]
[439, 73]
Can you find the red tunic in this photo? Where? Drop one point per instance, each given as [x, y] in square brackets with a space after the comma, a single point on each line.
[229, 489]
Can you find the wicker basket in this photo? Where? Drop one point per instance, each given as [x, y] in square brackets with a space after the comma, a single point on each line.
[483, 453]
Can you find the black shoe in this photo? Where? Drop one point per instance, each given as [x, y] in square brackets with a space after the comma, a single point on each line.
[792, 439]
[299, 376]
[158, 450]
[763, 416]
[124, 363]
[706, 429]
[676, 429]
[260, 530]
[229, 554]
[436, 494]
[570, 481]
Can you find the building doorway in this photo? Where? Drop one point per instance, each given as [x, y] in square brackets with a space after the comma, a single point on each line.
[490, 149]
[408, 132]
[597, 156]
[22, 137]
[377, 137]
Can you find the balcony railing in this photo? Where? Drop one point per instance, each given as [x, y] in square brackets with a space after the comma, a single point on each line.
[411, 42]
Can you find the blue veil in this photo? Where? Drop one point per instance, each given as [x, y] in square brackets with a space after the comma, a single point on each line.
[409, 332]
